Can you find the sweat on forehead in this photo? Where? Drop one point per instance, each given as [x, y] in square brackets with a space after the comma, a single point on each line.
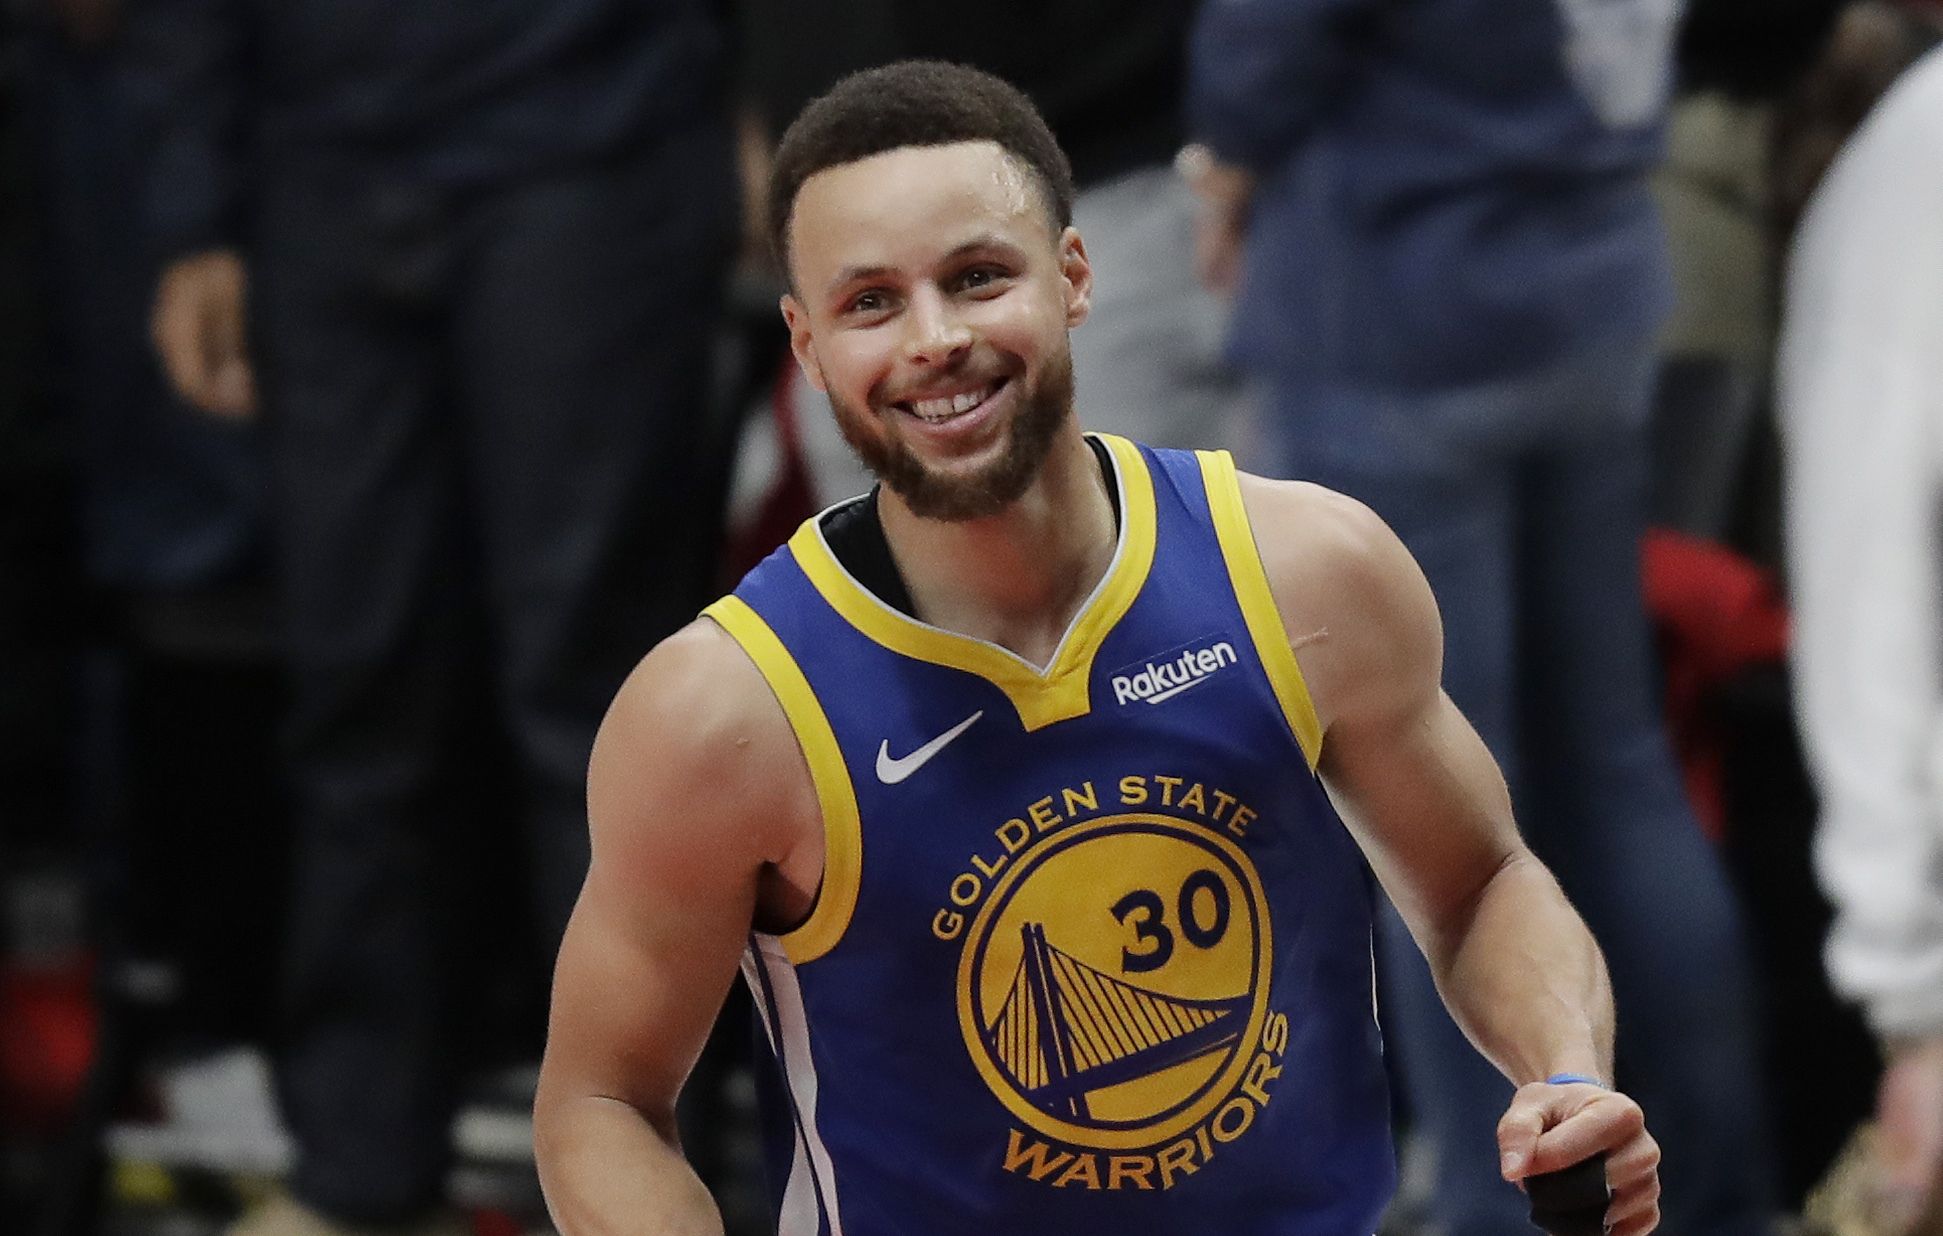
[915, 103]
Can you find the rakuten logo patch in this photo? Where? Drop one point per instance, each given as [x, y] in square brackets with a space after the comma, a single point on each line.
[1155, 684]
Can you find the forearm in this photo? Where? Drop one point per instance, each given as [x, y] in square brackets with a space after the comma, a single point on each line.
[1421, 794]
[1261, 72]
[1512, 959]
[607, 1171]
[188, 67]
[1524, 979]
[1224, 193]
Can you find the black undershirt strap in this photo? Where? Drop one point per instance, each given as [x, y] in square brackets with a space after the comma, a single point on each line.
[856, 536]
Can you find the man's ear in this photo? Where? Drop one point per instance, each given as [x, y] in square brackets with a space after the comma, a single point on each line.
[1077, 273]
[798, 320]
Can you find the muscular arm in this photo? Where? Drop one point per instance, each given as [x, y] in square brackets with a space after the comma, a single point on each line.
[1426, 802]
[704, 825]
[1415, 784]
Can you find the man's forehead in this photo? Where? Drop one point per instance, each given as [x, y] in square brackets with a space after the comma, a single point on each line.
[982, 163]
[973, 183]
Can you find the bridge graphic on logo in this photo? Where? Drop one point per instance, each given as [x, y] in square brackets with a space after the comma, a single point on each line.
[1067, 1029]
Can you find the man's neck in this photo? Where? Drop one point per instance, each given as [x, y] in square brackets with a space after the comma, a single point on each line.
[1018, 578]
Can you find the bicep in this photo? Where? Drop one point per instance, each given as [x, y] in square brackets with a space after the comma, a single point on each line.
[695, 793]
[642, 972]
[1425, 801]
[1414, 783]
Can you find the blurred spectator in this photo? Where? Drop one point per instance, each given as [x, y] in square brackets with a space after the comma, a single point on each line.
[466, 262]
[173, 533]
[45, 1011]
[1715, 191]
[185, 698]
[1452, 285]
[1745, 68]
[1109, 76]
[1860, 389]
[1875, 41]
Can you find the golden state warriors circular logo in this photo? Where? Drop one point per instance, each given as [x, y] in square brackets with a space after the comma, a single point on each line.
[1114, 985]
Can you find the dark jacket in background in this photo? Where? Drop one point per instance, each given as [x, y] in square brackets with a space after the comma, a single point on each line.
[434, 91]
[1108, 75]
[1450, 191]
[485, 242]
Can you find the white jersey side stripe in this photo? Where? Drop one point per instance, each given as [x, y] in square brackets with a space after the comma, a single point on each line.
[798, 1213]
[809, 1206]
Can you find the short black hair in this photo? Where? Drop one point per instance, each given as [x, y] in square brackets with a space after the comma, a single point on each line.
[913, 103]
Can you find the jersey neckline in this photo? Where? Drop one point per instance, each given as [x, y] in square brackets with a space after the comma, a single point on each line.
[1041, 697]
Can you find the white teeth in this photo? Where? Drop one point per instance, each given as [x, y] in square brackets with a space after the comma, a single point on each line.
[935, 410]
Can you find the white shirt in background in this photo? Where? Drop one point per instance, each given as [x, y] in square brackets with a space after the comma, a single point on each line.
[1860, 391]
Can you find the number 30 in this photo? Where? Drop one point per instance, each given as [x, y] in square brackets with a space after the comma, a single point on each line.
[1149, 917]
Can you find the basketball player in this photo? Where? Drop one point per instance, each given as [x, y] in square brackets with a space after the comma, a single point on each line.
[1013, 788]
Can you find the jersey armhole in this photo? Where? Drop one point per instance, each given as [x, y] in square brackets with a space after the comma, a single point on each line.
[1250, 581]
[843, 851]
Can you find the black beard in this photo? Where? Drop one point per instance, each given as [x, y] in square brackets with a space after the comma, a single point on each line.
[1042, 410]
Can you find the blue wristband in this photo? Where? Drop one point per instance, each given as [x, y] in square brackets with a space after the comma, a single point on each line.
[1566, 1079]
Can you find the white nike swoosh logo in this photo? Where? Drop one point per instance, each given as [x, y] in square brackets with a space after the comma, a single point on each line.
[891, 771]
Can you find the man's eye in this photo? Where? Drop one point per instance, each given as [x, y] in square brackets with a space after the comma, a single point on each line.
[867, 302]
[978, 277]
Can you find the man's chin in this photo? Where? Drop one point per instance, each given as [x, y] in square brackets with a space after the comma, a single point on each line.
[955, 495]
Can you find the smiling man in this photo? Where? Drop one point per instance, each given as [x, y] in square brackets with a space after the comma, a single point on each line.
[1012, 788]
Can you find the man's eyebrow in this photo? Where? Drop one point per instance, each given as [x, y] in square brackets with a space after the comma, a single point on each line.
[989, 240]
[854, 274]
[859, 274]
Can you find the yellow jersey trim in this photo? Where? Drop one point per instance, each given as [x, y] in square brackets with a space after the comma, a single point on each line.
[1060, 692]
[843, 838]
[1258, 609]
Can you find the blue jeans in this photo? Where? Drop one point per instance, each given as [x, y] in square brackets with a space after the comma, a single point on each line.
[1524, 502]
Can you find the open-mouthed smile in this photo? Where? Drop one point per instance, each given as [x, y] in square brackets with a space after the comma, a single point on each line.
[941, 408]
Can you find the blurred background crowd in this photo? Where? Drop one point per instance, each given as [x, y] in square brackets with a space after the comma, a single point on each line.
[380, 379]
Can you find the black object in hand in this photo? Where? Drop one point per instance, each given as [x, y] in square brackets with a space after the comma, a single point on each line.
[1571, 1201]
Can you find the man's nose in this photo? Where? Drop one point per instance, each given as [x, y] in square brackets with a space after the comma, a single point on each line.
[936, 331]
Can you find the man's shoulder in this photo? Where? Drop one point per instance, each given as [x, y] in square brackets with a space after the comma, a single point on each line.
[696, 708]
[696, 722]
[1352, 600]
[699, 666]
[1311, 535]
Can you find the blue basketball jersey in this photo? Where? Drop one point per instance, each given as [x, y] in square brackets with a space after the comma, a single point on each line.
[1092, 951]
